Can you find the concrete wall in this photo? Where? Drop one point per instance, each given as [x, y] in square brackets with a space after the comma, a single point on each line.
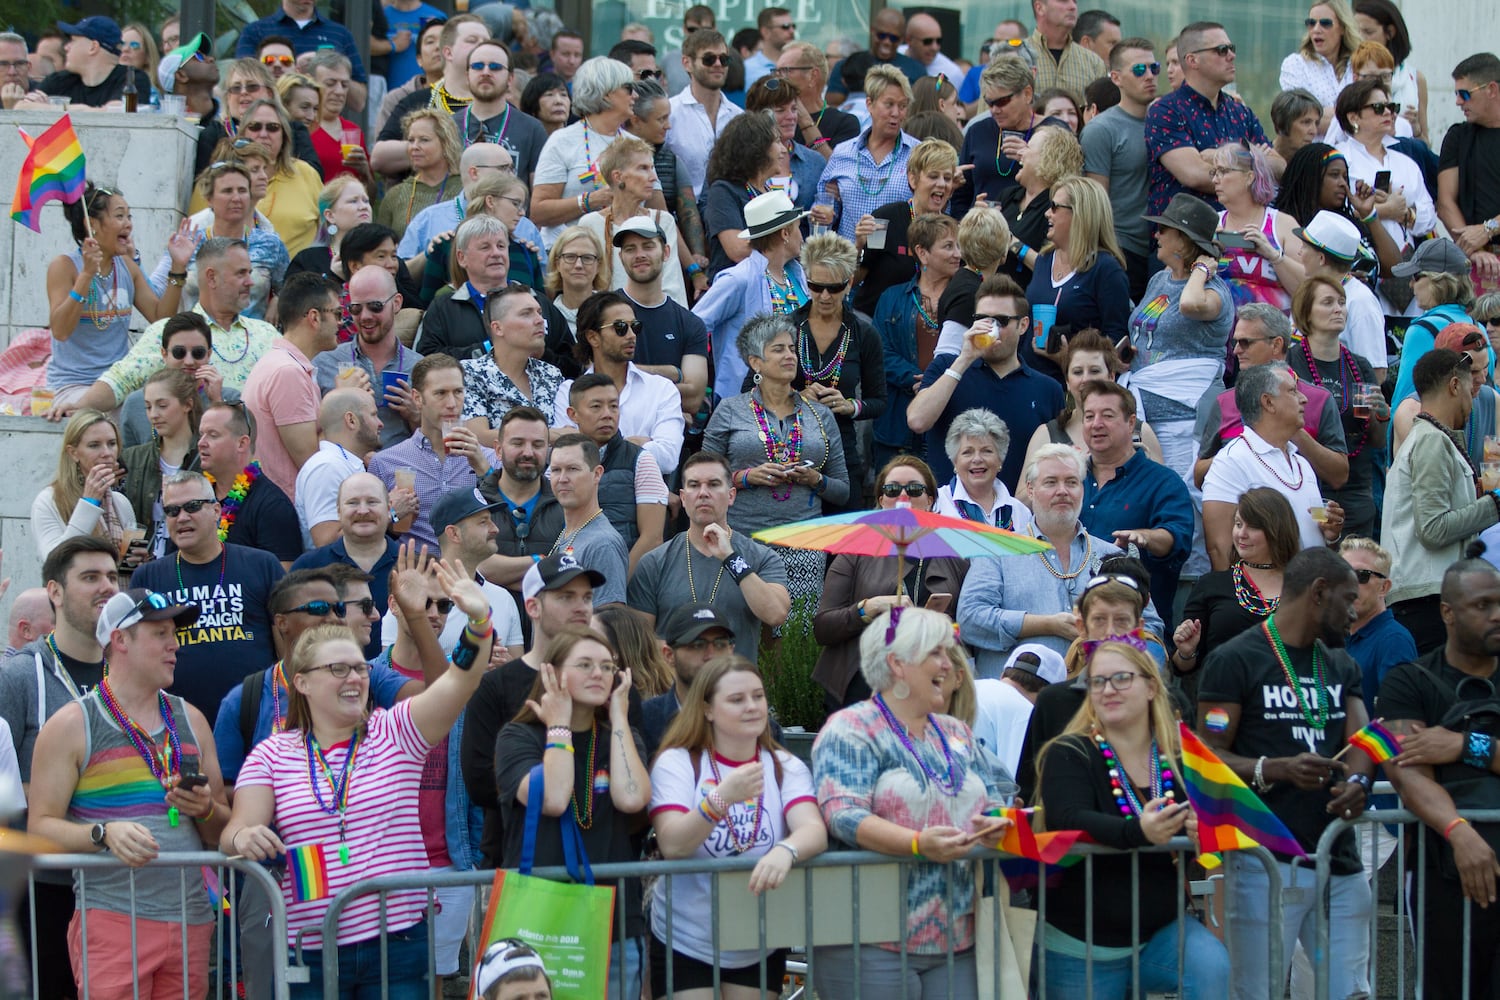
[28, 456]
[1443, 34]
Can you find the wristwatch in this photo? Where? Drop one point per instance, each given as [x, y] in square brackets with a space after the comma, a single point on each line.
[1491, 225]
[97, 836]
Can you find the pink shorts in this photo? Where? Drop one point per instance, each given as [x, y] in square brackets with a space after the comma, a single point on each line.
[157, 966]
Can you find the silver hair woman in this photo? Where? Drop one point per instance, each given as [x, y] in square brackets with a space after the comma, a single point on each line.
[976, 444]
[933, 793]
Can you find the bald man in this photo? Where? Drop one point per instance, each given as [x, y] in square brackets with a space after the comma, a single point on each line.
[350, 430]
[924, 43]
[31, 617]
[383, 365]
[887, 29]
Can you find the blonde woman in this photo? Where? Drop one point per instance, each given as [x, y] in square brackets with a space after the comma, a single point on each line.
[138, 49]
[301, 96]
[1050, 156]
[1115, 774]
[871, 170]
[1321, 64]
[932, 173]
[84, 499]
[291, 201]
[433, 147]
[575, 270]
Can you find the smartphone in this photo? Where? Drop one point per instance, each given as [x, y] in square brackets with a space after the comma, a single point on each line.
[192, 781]
[1383, 181]
[1125, 350]
[1055, 337]
[1231, 240]
[939, 603]
[807, 463]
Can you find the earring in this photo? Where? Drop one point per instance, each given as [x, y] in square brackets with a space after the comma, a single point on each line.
[900, 691]
[756, 378]
[332, 228]
[1354, 128]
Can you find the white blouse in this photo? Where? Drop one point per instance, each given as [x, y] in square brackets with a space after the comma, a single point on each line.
[1315, 75]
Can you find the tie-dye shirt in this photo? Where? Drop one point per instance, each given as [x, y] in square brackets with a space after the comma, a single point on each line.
[861, 769]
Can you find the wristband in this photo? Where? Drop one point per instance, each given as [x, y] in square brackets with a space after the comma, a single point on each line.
[916, 851]
[1260, 776]
[579, 199]
[818, 140]
[205, 819]
[678, 369]
[1447, 830]
[694, 268]
[789, 849]
[177, 274]
[1362, 780]
[737, 566]
[559, 733]
[91, 500]
[860, 610]
[955, 376]
[586, 201]
[1370, 219]
[558, 746]
[1478, 749]
[706, 811]
[76, 297]
[717, 801]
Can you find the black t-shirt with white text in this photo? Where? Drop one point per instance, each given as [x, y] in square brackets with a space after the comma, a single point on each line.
[1245, 671]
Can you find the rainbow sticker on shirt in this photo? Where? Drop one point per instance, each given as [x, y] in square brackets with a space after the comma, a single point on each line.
[1144, 323]
[1217, 720]
[601, 782]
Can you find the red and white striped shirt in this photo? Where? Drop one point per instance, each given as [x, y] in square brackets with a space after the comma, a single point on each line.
[383, 833]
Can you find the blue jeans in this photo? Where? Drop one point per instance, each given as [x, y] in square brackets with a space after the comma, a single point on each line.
[631, 952]
[1205, 976]
[359, 969]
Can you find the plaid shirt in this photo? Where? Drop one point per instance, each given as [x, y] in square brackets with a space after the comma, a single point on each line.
[1077, 68]
[863, 184]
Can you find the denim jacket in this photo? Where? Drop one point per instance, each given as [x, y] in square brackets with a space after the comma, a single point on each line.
[896, 321]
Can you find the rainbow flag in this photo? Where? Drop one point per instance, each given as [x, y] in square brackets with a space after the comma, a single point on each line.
[52, 171]
[1377, 741]
[1230, 815]
[1022, 841]
[308, 869]
[216, 895]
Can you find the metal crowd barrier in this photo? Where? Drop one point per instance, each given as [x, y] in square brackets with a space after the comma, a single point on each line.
[190, 880]
[1406, 928]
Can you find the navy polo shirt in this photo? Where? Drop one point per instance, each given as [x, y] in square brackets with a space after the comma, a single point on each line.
[1024, 399]
[380, 586]
[318, 33]
[1185, 119]
[1143, 494]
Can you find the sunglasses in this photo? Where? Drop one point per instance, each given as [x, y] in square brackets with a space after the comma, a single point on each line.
[443, 604]
[269, 128]
[910, 489]
[620, 326]
[1381, 107]
[376, 307]
[1319, 22]
[790, 26]
[1001, 320]
[648, 74]
[886, 36]
[714, 59]
[269, 60]
[342, 670]
[1000, 102]
[1221, 51]
[1243, 343]
[365, 605]
[817, 286]
[322, 609]
[171, 510]
[199, 353]
[245, 88]
[930, 41]
[493, 67]
[1141, 69]
[1492, 321]
[133, 46]
[1363, 575]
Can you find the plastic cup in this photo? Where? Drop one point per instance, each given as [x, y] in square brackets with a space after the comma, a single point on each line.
[876, 240]
[346, 372]
[448, 427]
[128, 537]
[1491, 448]
[1363, 393]
[405, 479]
[1043, 318]
[61, 103]
[174, 104]
[1319, 513]
[1489, 476]
[389, 381]
[348, 149]
[41, 401]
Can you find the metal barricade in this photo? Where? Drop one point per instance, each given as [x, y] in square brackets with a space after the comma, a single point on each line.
[1405, 924]
[190, 880]
[788, 916]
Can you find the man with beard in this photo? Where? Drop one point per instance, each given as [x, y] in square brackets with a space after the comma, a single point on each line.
[350, 430]
[650, 410]
[450, 92]
[700, 111]
[672, 342]
[385, 363]
[533, 520]
[491, 118]
[1278, 704]
[1442, 769]
[887, 31]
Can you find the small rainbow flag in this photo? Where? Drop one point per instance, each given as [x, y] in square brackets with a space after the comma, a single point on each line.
[52, 171]
[308, 869]
[1230, 815]
[216, 895]
[1019, 839]
[1378, 742]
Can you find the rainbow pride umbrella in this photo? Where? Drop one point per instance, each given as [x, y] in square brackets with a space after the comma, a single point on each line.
[902, 531]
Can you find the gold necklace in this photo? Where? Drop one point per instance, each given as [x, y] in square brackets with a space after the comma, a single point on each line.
[692, 588]
[1088, 551]
[574, 536]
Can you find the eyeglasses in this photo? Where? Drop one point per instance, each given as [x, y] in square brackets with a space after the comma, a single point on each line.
[886, 36]
[910, 489]
[1141, 69]
[781, 70]
[789, 26]
[930, 41]
[1381, 107]
[1319, 22]
[151, 600]
[723, 644]
[606, 668]
[342, 670]
[132, 46]
[366, 606]
[1001, 320]
[688, 29]
[1492, 321]
[620, 326]
[1000, 102]
[493, 67]
[1364, 575]
[817, 286]
[1463, 368]
[245, 88]
[443, 604]
[1221, 51]
[376, 307]
[1243, 343]
[647, 74]
[270, 60]
[269, 128]
[1120, 681]
[1058, 206]
[199, 353]
[714, 58]
[574, 259]
[14, 64]
[321, 609]
[1383, 77]
[171, 510]
[1215, 173]
[1464, 95]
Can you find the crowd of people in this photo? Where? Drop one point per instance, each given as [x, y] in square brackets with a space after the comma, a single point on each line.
[484, 404]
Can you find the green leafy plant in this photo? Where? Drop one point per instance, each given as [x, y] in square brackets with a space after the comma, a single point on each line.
[787, 665]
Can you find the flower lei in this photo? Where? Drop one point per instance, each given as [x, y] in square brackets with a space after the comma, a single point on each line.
[235, 498]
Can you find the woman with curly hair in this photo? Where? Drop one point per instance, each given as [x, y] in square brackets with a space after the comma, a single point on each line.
[1052, 154]
[1316, 180]
[433, 147]
[748, 153]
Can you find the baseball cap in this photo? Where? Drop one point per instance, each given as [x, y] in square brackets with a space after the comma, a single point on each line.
[130, 607]
[101, 29]
[687, 622]
[1332, 234]
[166, 70]
[454, 506]
[502, 958]
[1439, 256]
[1035, 658]
[554, 572]
[1460, 337]
[638, 225]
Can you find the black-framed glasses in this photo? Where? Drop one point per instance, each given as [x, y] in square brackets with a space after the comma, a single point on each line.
[1001, 319]
[1364, 575]
[443, 604]
[894, 490]
[1318, 22]
[789, 26]
[1001, 101]
[1381, 107]
[817, 286]
[622, 326]
[342, 670]
[1222, 51]
[1492, 321]
[930, 41]
[171, 510]
[179, 352]
[648, 74]
[714, 58]
[723, 644]
[1120, 681]
[376, 306]
[492, 66]
[574, 259]
[1058, 206]
[365, 605]
[1141, 69]
[321, 609]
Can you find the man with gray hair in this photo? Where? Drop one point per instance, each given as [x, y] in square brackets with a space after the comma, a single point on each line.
[224, 282]
[1271, 402]
[14, 80]
[479, 160]
[803, 64]
[1007, 601]
[455, 325]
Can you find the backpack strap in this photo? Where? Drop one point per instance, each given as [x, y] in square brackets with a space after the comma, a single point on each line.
[252, 689]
